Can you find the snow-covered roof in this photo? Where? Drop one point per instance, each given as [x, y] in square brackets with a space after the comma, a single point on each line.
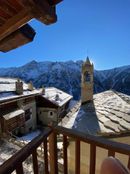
[11, 95]
[7, 89]
[8, 84]
[108, 114]
[56, 96]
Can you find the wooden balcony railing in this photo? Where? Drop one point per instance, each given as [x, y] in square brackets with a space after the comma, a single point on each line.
[51, 156]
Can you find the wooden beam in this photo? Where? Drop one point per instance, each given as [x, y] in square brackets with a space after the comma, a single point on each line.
[15, 4]
[15, 22]
[7, 8]
[54, 2]
[39, 9]
[42, 11]
[18, 38]
[4, 14]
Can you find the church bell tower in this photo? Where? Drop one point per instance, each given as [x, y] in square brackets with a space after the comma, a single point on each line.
[87, 82]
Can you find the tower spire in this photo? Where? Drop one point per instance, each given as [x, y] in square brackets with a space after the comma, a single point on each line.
[88, 61]
[87, 81]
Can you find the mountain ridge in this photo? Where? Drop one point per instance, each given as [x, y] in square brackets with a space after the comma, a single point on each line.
[67, 76]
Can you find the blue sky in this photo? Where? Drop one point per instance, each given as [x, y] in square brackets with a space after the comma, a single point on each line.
[97, 28]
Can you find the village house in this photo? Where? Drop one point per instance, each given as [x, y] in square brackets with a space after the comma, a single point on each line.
[17, 106]
[21, 103]
[52, 106]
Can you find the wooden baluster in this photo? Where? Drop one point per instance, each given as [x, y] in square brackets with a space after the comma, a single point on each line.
[19, 169]
[128, 163]
[53, 153]
[46, 157]
[35, 161]
[92, 158]
[111, 153]
[65, 154]
[77, 157]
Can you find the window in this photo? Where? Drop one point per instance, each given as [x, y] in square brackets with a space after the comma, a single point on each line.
[28, 114]
[87, 77]
[51, 114]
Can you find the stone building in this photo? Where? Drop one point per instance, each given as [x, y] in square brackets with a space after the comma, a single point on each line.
[87, 81]
[52, 106]
[17, 106]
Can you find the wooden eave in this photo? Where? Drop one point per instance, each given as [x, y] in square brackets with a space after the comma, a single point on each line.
[16, 13]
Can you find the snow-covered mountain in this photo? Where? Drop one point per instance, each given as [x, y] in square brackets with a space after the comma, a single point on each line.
[66, 76]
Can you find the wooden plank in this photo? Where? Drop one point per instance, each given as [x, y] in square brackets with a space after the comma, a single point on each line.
[15, 22]
[46, 157]
[92, 159]
[77, 157]
[35, 161]
[42, 11]
[19, 169]
[3, 15]
[7, 8]
[53, 153]
[65, 154]
[128, 163]
[15, 4]
[111, 153]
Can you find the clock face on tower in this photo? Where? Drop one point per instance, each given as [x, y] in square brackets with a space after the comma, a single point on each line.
[87, 77]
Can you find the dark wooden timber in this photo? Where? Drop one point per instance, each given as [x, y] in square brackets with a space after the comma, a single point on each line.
[92, 158]
[77, 157]
[128, 163]
[19, 169]
[16, 13]
[35, 162]
[65, 154]
[23, 35]
[46, 157]
[111, 153]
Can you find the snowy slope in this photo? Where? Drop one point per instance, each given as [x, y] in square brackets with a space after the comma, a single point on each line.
[66, 76]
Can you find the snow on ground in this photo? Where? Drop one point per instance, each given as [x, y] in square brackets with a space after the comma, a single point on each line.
[7, 150]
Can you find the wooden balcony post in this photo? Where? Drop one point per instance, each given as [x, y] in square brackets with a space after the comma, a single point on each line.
[35, 161]
[46, 156]
[92, 159]
[65, 154]
[53, 153]
[19, 169]
[77, 157]
[111, 153]
[128, 163]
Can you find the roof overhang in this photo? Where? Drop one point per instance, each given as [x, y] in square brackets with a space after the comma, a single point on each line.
[16, 13]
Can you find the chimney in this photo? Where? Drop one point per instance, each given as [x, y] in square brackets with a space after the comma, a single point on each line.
[43, 90]
[19, 87]
[30, 86]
